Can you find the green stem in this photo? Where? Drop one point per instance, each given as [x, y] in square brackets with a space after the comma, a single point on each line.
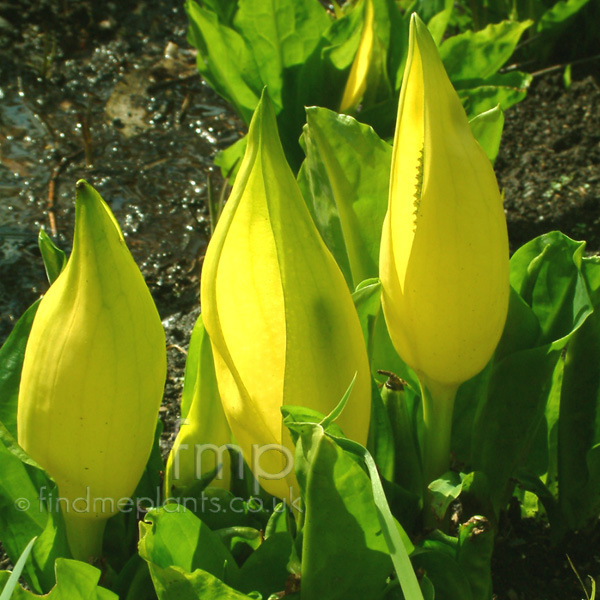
[438, 405]
[84, 534]
[407, 465]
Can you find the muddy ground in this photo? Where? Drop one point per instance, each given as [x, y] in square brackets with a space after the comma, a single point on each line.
[110, 94]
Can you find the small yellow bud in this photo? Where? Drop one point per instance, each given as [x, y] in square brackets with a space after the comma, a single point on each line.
[201, 446]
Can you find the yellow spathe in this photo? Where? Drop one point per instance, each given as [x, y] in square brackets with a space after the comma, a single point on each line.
[444, 250]
[93, 375]
[357, 79]
[281, 320]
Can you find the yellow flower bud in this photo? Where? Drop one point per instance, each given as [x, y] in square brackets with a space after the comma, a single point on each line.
[281, 320]
[357, 79]
[444, 249]
[93, 376]
[201, 444]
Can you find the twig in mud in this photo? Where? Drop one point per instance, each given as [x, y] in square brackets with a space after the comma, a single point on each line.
[563, 65]
[169, 82]
[177, 347]
[184, 108]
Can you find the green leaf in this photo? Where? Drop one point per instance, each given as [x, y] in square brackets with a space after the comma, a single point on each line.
[381, 438]
[281, 34]
[479, 54]
[174, 583]
[503, 89]
[367, 301]
[439, 21]
[438, 558]
[225, 9]
[13, 580]
[174, 537]
[345, 180]
[55, 259]
[487, 129]
[558, 13]
[547, 274]
[11, 364]
[224, 60]
[344, 552]
[230, 159]
[26, 512]
[75, 580]
[444, 491]
[579, 420]
[474, 555]
[265, 570]
[407, 463]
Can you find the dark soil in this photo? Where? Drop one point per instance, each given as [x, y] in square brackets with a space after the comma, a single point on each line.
[549, 159]
[95, 90]
[528, 565]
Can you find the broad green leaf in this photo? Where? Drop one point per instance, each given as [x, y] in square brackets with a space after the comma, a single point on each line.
[225, 9]
[579, 422]
[174, 537]
[343, 37]
[558, 13]
[505, 428]
[427, 9]
[281, 34]
[345, 180]
[54, 258]
[487, 129]
[265, 570]
[503, 89]
[344, 552]
[438, 22]
[26, 511]
[478, 55]
[224, 60]
[230, 159]
[444, 491]
[75, 580]
[174, 583]
[134, 581]
[397, 46]
[11, 363]
[449, 579]
[547, 274]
